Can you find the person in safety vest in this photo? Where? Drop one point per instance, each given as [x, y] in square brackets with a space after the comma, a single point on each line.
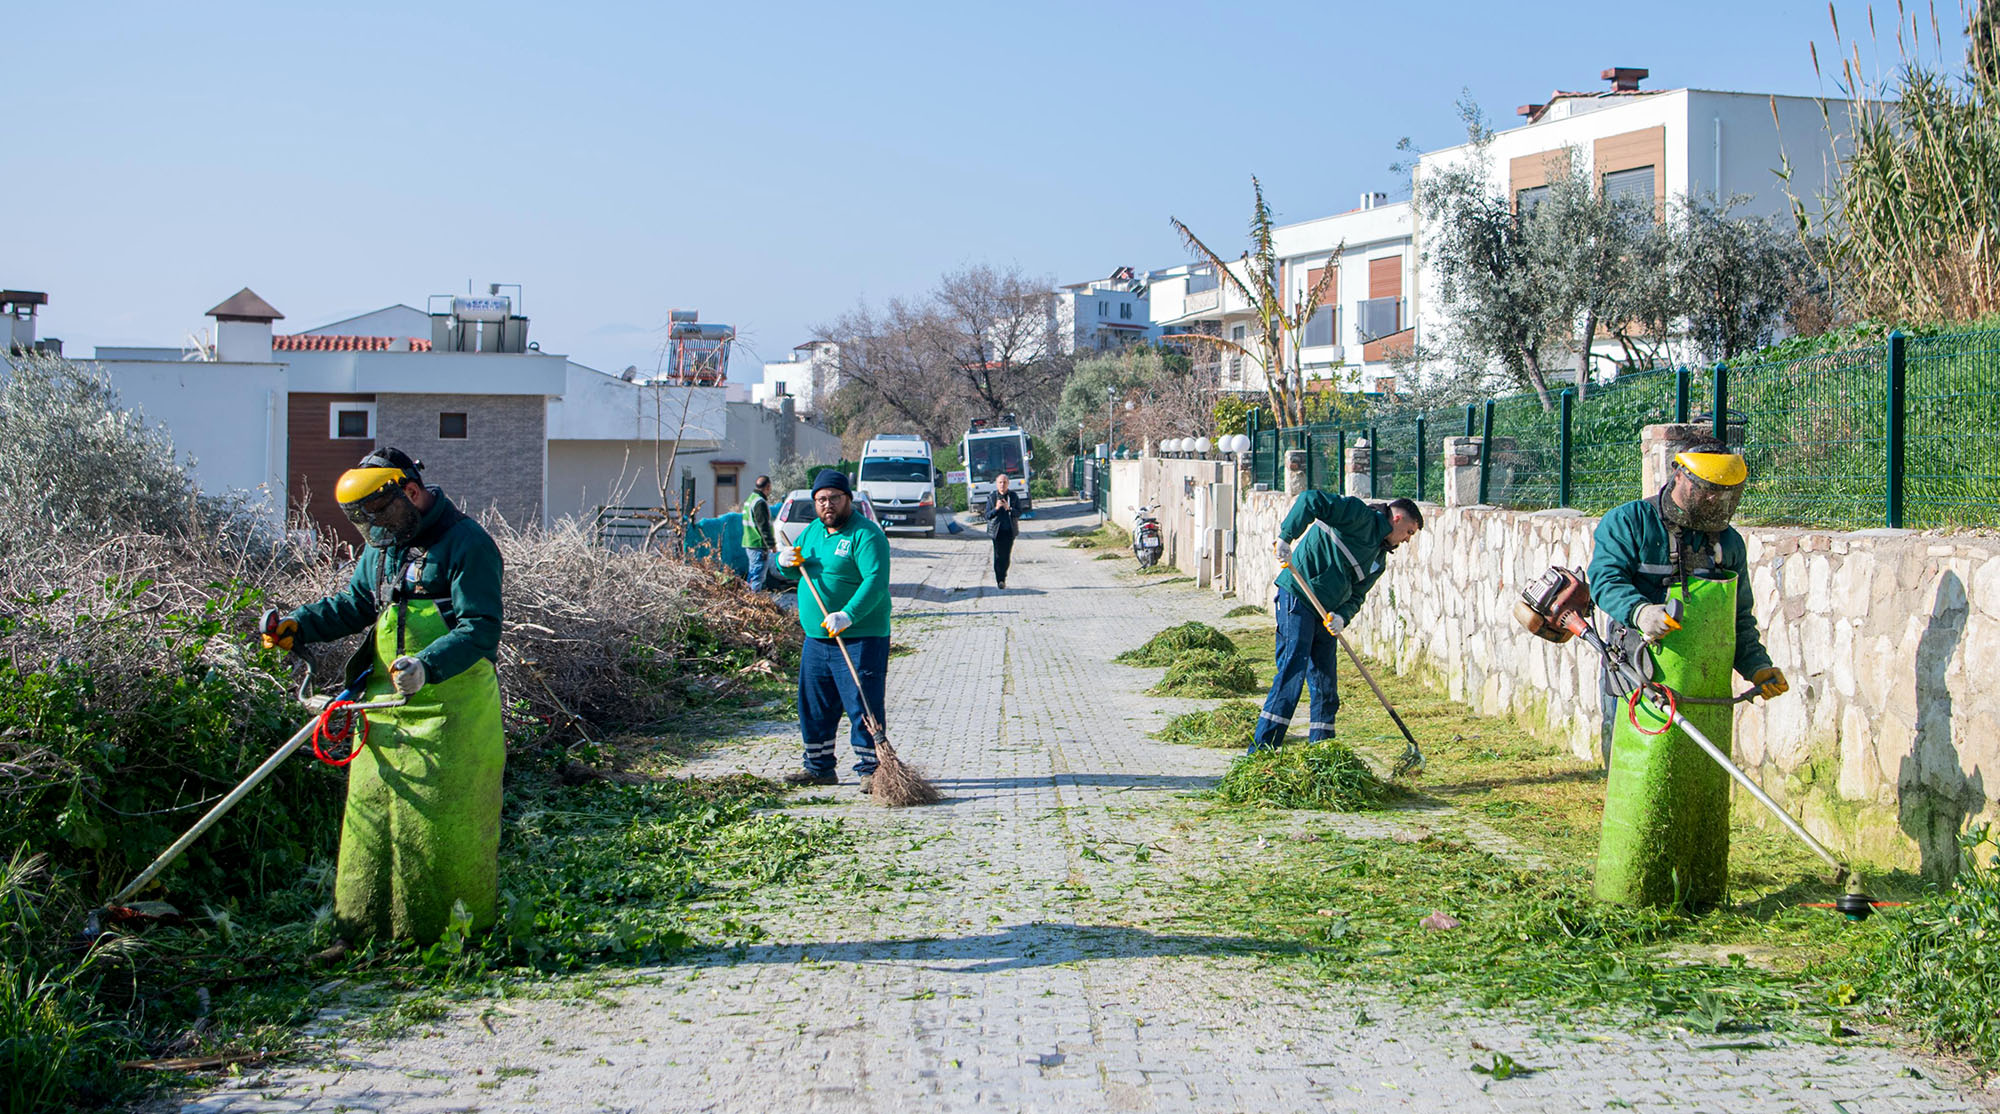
[422, 830]
[1680, 536]
[847, 557]
[1336, 544]
[759, 540]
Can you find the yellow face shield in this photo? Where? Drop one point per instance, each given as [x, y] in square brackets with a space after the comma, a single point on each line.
[1720, 469]
[1706, 490]
[373, 499]
[357, 484]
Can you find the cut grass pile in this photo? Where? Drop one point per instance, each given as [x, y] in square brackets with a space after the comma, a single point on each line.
[1241, 610]
[1223, 726]
[1171, 643]
[1207, 673]
[1325, 775]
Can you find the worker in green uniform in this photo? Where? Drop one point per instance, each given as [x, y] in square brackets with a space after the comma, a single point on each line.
[1672, 571]
[847, 556]
[421, 834]
[1338, 544]
[759, 540]
[1678, 534]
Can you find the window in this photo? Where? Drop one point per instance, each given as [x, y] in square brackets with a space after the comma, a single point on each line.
[725, 493]
[1380, 317]
[351, 421]
[1104, 309]
[451, 426]
[1125, 311]
[1320, 327]
[1527, 199]
[1237, 334]
[1635, 184]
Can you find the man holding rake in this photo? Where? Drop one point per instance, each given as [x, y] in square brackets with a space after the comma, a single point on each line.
[845, 558]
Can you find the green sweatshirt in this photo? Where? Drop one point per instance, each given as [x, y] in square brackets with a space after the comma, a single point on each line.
[851, 568]
[461, 571]
[1630, 565]
[1314, 519]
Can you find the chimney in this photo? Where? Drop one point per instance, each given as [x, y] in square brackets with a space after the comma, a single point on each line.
[243, 328]
[1530, 111]
[18, 306]
[1624, 79]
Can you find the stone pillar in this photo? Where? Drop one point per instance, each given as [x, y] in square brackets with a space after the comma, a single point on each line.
[1361, 483]
[1295, 473]
[1659, 443]
[1461, 471]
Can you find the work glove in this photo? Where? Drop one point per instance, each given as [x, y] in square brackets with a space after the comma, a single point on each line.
[837, 622]
[1283, 549]
[407, 674]
[1770, 681]
[1653, 621]
[278, 632]
[790, 557]
[1334, 623]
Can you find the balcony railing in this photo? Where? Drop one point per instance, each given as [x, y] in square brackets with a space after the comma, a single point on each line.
[1379, 317]
[1323, 327]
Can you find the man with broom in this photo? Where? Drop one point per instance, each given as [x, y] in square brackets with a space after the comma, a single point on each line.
[843, 559]
[1341, 543]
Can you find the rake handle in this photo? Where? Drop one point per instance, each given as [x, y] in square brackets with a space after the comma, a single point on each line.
[1356, 659]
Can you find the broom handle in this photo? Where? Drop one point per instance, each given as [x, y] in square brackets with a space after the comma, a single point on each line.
[874, 725]
[1356, 659]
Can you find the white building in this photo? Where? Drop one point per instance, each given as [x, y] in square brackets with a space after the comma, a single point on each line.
[1657, 144]
[809, 378]
[1103, 314]
[1363, 317]
[1193, 298]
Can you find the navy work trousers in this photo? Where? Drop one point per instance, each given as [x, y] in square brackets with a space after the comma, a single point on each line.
[826, 689]
[1306, 656]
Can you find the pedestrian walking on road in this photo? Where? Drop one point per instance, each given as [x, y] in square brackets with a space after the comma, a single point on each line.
[759, 540]
[1342, 543]
[847, 556]
[1001, 510]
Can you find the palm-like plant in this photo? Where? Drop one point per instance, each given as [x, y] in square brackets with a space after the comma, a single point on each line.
[1280, 328]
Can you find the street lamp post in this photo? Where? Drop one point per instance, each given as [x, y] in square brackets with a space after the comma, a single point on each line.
[1110, 440]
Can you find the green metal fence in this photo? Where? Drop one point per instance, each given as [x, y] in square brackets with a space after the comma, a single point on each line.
[1905, 433]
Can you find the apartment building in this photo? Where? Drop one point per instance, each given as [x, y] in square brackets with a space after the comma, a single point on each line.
[1363, 318]
[809, 378]
[1103, 314]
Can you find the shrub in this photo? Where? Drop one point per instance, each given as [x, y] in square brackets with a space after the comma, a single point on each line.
[1941, 972]
[1324, 775]
[1207, 673]
[1171, 643]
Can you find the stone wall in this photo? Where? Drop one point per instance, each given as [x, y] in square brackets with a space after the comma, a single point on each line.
[1888, 742]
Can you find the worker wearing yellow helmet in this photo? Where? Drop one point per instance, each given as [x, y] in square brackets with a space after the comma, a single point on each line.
[1671, 572]
[422, 828]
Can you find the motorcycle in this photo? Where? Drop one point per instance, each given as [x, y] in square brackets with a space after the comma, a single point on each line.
[1146, 544]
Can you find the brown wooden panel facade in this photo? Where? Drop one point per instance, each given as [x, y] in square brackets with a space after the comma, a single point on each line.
[318, 458]
[1385, 277]
[1530, 171]
[1630, 151]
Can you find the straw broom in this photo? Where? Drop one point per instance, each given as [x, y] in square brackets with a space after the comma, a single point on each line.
[896, 784]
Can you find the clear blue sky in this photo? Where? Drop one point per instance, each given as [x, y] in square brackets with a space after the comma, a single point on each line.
[769, 163]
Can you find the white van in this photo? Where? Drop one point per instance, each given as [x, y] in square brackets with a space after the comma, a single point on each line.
[899, 479]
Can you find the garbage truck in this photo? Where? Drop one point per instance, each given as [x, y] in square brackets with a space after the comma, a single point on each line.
[991, 448]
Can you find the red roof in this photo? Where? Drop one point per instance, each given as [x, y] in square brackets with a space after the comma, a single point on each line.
[307, 342]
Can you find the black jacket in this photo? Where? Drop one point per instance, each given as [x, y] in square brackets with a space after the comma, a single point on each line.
[1000, 510]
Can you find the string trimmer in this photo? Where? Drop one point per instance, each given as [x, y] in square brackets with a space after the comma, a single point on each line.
[1412, 760]
[340, 720]
[1557, 607]
[896, 783]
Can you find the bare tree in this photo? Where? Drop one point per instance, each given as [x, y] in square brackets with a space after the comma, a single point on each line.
[1257, 279]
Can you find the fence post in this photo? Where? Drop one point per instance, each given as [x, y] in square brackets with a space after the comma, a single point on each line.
[1562, 479]
[1471, 422]
[1422, 463]
[1340, 454]
[1374, 458]
[1485, 450]
[1250, 427]
[1898, 395]
[1722, 402]
[1681, 388]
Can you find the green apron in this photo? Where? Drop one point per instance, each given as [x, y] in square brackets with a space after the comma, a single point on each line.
[422, 829]
[1666, 802]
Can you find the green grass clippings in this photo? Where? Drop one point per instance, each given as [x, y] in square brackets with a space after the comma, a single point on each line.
[1325, 775]
[1223, 726]
[1207, 673]
[1169, 644]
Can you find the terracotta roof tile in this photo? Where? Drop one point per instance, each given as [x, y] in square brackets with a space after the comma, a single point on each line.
[308, 342]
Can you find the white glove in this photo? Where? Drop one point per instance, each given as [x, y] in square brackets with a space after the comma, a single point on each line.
[1653, 621]
[1283, 549]
[837, 622]
[789, 557]
[407, 674]
[1334, 623]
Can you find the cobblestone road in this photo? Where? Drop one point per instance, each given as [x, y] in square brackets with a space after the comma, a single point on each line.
[1014, 968]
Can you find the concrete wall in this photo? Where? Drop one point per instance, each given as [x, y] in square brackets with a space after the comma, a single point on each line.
[498, 467]
[1887, 743]
[229, 417]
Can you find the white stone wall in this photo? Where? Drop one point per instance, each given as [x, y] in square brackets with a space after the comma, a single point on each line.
[1889, 741]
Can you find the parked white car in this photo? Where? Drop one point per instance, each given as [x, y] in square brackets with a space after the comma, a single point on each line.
[797, 511]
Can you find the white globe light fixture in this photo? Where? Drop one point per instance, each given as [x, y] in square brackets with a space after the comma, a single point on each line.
[1203, 444]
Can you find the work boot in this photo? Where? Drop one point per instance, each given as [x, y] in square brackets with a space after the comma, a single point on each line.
[807, 777]
[868, 783]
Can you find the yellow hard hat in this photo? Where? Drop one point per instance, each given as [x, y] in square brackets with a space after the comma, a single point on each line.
[358, 484]
[1719, 469]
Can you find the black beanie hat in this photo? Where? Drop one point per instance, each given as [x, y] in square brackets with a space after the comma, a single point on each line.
[833, 478]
